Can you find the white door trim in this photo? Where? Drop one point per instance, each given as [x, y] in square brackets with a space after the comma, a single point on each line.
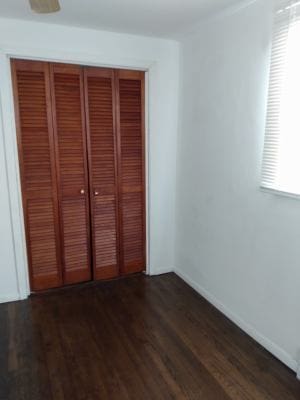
[10, 140]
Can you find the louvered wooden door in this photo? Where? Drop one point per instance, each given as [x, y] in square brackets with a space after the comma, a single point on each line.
[130, 127]
[100, 113]
[81, 152]
[71, 161]
[38, 174]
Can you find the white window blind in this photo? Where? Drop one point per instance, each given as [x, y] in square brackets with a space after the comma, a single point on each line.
[281, 158]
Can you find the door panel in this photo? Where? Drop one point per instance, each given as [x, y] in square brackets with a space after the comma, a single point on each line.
[99, 100]
[38, 175]
[81, 151]
[130, 97]
[69, 129]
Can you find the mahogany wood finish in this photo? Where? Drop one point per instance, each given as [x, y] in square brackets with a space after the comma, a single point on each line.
[38, 174]
[131, 148]
[71, 161]
[141, 339]
[100, 114]
[81, 149]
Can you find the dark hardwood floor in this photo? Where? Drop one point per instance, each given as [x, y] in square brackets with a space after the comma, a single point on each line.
[135, 338]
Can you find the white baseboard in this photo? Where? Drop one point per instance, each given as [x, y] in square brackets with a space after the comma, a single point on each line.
[160, 271]
[273, 348]
[10, 297]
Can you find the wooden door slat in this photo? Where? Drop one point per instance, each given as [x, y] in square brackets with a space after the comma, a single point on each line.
[99, 100]
[130, 95]
[70, 135]
[38, 175]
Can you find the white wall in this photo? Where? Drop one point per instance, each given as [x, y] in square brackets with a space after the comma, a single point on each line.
[160, 57]
[8, 277]
[238, 246]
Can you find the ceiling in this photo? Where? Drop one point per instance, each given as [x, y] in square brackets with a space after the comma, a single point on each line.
[162, 18]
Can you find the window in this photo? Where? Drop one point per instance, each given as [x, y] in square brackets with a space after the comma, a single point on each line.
[281, 159]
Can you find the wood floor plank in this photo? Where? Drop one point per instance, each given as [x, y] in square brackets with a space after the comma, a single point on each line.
[135, 338]
[204, 344]
[193, 379]
[5, 353]
[246, 355]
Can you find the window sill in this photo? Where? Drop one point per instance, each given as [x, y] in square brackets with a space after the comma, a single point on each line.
[280, 193]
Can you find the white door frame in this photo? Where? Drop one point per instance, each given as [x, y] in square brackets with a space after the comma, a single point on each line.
[11, 149]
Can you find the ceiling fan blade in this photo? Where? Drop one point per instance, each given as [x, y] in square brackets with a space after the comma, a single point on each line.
[44, 6]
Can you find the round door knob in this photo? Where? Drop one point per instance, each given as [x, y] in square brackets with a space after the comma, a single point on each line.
[96, 193]
[82, 191]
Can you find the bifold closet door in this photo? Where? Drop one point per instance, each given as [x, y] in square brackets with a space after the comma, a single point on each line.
[71, 163]
[81, 151]
[38, 175]
[100, 114]
[131, 171]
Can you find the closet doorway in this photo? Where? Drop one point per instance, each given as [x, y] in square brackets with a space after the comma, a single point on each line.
[81, 143]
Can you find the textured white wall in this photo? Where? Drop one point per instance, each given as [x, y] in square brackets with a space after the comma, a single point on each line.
[239, 246]
[36, 40]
